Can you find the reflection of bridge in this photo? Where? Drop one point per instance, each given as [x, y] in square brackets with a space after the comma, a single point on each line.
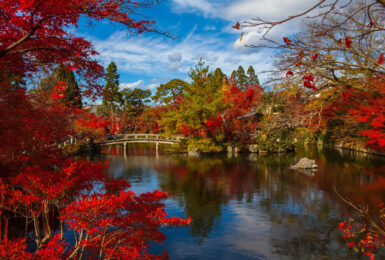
[139, 138]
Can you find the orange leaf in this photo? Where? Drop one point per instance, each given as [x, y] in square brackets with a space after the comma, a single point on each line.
[237, 26]
[240, 39]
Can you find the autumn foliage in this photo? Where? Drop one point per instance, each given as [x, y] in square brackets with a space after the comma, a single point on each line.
[241, 101]
[372, 113]
[48, 192]
[362, 233]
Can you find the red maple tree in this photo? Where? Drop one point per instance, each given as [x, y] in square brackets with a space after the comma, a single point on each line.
[38, 183]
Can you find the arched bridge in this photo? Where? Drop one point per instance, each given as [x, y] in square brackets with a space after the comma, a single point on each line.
[140, 138]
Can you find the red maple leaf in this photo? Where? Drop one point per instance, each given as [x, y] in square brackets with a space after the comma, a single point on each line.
[348, 42]
[301, 54]
[287, 41]
[380, 59]
[308, 77]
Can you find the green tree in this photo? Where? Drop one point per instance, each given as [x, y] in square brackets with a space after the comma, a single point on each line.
[168, 92]
[72, 95]
[252, 78]
[134, 100]
[203, 98]
[133, 105]
[112, 98]
[233, 75]
[239, 77]
[218, 78]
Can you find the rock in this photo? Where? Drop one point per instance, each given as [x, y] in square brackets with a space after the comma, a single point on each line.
[253, 148]
[233, 149]
[304, 163]
[192, 151]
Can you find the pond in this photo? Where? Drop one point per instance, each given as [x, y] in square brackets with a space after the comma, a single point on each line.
[252, 206]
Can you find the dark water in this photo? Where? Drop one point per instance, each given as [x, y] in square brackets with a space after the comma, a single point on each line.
[253, 206]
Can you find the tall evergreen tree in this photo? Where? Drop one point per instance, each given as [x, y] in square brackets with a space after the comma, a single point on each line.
[239, 77]
[111, 97]
[233, 75]
[252, 78]
[72, 95]
[218, 77]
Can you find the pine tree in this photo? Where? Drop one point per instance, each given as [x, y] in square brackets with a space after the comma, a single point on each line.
[134, 100]
[112, 98]
[233, 75]
[252, 78]
[239, 77]
[168, 92]
[218, 77]
[203, 98]
[72, 95]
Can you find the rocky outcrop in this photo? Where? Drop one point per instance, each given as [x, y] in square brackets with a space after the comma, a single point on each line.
[304, 163]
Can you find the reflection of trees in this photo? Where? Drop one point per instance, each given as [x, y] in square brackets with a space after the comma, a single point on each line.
[192, 189]
[202, 185]
[306, 225]
[358, 176]
[303, 210]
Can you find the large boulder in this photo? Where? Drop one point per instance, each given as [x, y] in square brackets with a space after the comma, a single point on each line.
[304, 163]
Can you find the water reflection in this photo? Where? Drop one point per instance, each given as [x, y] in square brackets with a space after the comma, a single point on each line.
[254, 207]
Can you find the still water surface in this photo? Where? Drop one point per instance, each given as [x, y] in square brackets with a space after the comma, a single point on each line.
[253, 206]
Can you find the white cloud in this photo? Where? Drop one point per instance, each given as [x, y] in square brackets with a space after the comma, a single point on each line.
[203, 6]
[210, 28]
[162, 58]
[138, 84]
[270, 10]
[245, 10]
[175, 66]
[175, 57]
[131, 85]
[175, 61]
[151, 86]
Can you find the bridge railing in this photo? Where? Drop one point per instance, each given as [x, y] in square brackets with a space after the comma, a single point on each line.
[141, 136]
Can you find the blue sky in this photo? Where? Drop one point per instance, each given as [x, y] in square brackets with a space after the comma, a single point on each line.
[203, 28]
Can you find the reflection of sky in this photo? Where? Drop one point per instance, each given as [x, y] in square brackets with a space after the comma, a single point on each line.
[288, 216]
[241, 233]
